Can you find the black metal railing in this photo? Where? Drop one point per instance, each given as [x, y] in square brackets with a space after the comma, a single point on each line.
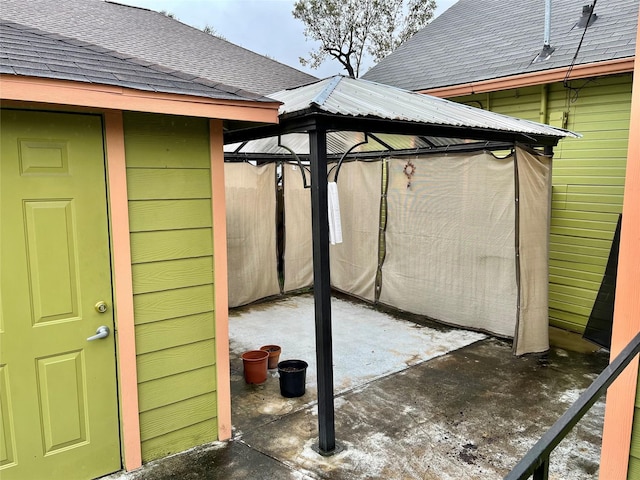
[536, 461]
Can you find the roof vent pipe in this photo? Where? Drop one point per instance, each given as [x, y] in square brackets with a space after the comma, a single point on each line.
[587, 18]
[547, 49]
[547, 23]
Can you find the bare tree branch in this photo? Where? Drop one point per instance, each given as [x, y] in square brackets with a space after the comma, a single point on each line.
[346, 29]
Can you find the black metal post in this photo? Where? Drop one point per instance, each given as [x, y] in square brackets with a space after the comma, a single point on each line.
[542, 472]
[322, 290]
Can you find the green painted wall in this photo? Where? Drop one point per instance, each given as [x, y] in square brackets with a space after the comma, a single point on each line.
[588, 182]
[169, 188]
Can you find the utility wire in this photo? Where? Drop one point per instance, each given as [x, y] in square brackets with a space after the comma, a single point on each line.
[573, 61]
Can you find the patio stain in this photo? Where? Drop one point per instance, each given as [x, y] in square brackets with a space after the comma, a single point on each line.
[471, 413]
[456, 416]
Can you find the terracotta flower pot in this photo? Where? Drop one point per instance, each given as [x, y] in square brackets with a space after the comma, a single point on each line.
[255, 366]
[274, 355]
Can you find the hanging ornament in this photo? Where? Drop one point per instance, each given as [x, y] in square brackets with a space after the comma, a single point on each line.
[409, 169]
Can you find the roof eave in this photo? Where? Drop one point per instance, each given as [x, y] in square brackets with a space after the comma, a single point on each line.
[79, 94]
[596, 69]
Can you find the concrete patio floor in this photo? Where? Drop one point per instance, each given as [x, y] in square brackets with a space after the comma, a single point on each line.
[413, 400]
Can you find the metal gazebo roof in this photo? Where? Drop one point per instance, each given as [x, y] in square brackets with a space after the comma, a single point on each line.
[332, 116]
[398, 117]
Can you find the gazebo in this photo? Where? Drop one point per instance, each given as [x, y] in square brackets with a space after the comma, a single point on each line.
[341, 117]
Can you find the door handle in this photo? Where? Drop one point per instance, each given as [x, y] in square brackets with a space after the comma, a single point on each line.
[101, 332]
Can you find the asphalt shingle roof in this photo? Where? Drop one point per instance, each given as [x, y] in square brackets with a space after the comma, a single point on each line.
[478, 40]
[30, 52]
[155, 38]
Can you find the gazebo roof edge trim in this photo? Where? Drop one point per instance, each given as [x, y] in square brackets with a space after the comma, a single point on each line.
[315, 120]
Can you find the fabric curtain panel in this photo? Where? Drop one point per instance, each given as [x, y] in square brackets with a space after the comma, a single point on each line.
[466, 239]
[298, 247]
[251, 232]
[534, 175]
[450, 240]
[354, 261]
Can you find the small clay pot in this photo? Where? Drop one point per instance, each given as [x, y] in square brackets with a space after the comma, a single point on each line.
[274, 355]
[255, 366]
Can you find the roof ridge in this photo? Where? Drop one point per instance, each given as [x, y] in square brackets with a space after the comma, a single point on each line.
[138, 61]
[126, 5]
[326, 92]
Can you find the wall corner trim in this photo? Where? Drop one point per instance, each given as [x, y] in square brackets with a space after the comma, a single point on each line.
[218, 209]
[123, 290]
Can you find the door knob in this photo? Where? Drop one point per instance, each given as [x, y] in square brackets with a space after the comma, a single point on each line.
[100, 307]
[101, 332]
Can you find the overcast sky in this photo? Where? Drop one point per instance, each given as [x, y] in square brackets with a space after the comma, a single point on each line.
[263, 26]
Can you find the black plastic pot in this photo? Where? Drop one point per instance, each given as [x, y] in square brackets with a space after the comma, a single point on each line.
[293, 376]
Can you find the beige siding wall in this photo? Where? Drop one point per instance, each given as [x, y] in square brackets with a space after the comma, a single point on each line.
[169, 189]
[588, 181]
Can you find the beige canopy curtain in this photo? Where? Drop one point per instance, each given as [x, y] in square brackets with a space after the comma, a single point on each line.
[466, 239]
[450, 245]
[462, 248]
[251, 232]
[354, 262]
[534, 185]
[298, 262]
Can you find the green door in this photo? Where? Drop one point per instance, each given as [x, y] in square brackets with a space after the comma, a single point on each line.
[58, 395]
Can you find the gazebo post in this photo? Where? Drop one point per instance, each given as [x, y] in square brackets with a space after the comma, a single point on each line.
[322, 290]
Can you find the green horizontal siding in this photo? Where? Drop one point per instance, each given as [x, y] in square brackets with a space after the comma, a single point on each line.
[180, 440]
[634, 468]
[154, 306]
[176, 416]
[169, 190]
[168, 183]
[168, 215]
[588, 182]
[170, 245]
[171, 274]
[156, 336]
[177, 388]
[176, 360]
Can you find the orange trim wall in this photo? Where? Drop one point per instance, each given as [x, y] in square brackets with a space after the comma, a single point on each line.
[610, 67]
[123, 290]
[618, 420]
[223, 384]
